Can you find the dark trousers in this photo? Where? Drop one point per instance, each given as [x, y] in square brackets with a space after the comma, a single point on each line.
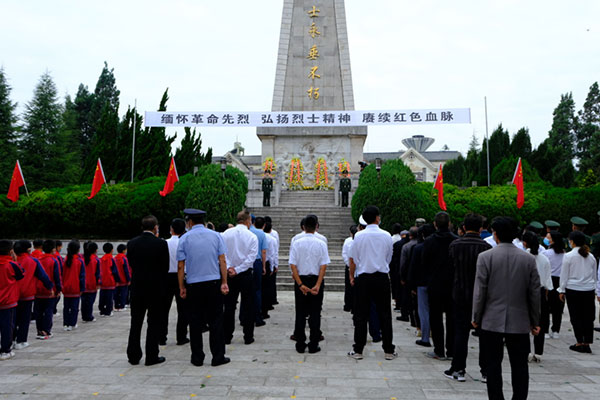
[266, 199]
[582, 310]
[257, 283]
[492, 350]
[556, 306]
[182, 313]
[143, 301]
[6, 329]
[239, 286]
[348, 300]
[22, 320]
[70, 310]
[87, 306]
[440, 304]
[274, 287]
[56, 300]
[44, 311]
[267, 292]
[344, 199]
[308, 306]
[374, 325]
[396, 284]
[538, 341]
[373, 288]
[205, 306]
[121, 297]
[105, 304]
[462, 330]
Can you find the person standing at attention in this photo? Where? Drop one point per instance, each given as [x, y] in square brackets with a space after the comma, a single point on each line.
[506, 305]
[73, 285]
[371, 253]
[260, 267]
[149, 261]
[201, 258]
[308, 261]
[92, 281]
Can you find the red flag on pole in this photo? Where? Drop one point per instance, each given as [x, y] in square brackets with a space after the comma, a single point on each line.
[172, 177]
[15, 183]
[518, 182]
[439, 185]
[99, 180]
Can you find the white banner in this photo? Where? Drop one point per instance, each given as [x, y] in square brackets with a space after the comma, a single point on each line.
[308, 118]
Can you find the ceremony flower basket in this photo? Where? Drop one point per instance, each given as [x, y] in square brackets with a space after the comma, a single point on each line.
[295, 175]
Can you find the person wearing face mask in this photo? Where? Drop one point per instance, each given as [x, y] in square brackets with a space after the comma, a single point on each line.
[149, 260]
[555, 254]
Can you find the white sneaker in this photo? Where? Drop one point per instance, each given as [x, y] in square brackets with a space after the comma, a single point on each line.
[6, 356]
[537, 358]
[20, 346]
[75, 327]
[356, 356]
[546, 336]
[67, 328]
[391, 356]
[555, 335]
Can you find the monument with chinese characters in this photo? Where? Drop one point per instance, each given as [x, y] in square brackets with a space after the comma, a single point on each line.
[313, 74]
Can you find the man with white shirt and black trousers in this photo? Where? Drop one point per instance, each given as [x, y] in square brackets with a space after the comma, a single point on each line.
[308, 261]
[177, 229]
[242, 247]
[372, 253]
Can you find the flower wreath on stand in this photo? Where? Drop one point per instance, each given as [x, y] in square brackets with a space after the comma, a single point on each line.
[269, 167]
[321, 175]
[344, 168]
[295, 175]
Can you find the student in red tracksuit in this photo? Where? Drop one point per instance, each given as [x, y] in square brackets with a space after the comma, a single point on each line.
[124, 277]
[61, 267]
[34, 273]
[109, 276]
[73, 285]
[44, 299]
[37, 249]
[92, 281]
[10, 273]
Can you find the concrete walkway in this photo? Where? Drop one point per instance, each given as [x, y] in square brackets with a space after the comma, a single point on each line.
[90, 362]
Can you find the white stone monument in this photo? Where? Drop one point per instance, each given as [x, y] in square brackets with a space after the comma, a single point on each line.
[313, 74]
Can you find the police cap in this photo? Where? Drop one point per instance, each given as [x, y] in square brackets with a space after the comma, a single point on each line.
[578, 221]
[192, 212]
[552, 224]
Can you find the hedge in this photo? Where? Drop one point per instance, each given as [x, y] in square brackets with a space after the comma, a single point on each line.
[115, 212]
[403, 200]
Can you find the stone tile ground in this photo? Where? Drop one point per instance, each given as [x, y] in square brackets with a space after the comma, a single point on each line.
[90, 362]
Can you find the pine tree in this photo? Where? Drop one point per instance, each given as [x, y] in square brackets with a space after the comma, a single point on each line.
[564, 126]
[125, 141]
[189, 154]
[153, 149]
[8, 133]
[520, 146]
[455, 172]
[588, 134]
[499, 146]
[474, 144]
[69, 144]
[82, 107]
[40, 147]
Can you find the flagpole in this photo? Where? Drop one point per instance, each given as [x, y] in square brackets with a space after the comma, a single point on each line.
[133, 143]
[22, 177]
[487, 141]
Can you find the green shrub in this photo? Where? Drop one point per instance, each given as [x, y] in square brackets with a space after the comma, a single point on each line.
[221, 198]
[505, 171]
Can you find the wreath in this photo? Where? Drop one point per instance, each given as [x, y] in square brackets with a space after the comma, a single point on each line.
[295, 175]
[344, 168]
[269, 166]
[321, 175]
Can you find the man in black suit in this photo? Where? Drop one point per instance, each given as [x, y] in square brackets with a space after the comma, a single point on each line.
[149, 260]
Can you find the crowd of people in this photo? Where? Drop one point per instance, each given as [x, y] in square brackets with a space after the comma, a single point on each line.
[449, 281]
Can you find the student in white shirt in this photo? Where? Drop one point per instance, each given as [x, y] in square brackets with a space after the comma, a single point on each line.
[271, 269]
[578, 282]
[308, 261]
[275, 234]
[532, 245]
[177, 229]
[371, 254]
[316, 233]
[242, 247]
[348, 298]
[555, 253]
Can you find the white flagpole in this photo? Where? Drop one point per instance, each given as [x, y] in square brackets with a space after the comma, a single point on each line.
[133, 143]
[487, 141]
[516, 171]
[22, 177]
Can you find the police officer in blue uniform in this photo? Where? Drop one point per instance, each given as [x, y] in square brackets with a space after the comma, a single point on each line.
[201, 261]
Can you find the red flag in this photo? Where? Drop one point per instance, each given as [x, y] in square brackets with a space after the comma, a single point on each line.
[172, 177]
[15, 183]
[439, 185]
[518, 182]
[99, 180]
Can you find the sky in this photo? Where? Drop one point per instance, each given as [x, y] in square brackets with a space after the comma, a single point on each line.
[221, 56]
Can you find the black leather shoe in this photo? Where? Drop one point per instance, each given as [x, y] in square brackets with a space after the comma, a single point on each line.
[162, 342]
[134, 362]
[249, 341]
[261, 323]
[402, 318]
[300, 347]
[266, 316]
[158, 360]
[314, 350]
[184, 341]
[197, 363]
[223, 361]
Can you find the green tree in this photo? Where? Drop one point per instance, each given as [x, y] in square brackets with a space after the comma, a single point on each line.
[552, 166]
[41, 142]
[82, 106]
[588, 133]
[564, 126]
[153, 149]
[189, 154]
[455, 172]
[505, 171]
[8, 133]
[481, 172]
[520, 146]
[69, 143]
[499, 146]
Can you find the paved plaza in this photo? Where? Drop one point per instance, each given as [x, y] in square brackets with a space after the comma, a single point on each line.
[90, 362]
